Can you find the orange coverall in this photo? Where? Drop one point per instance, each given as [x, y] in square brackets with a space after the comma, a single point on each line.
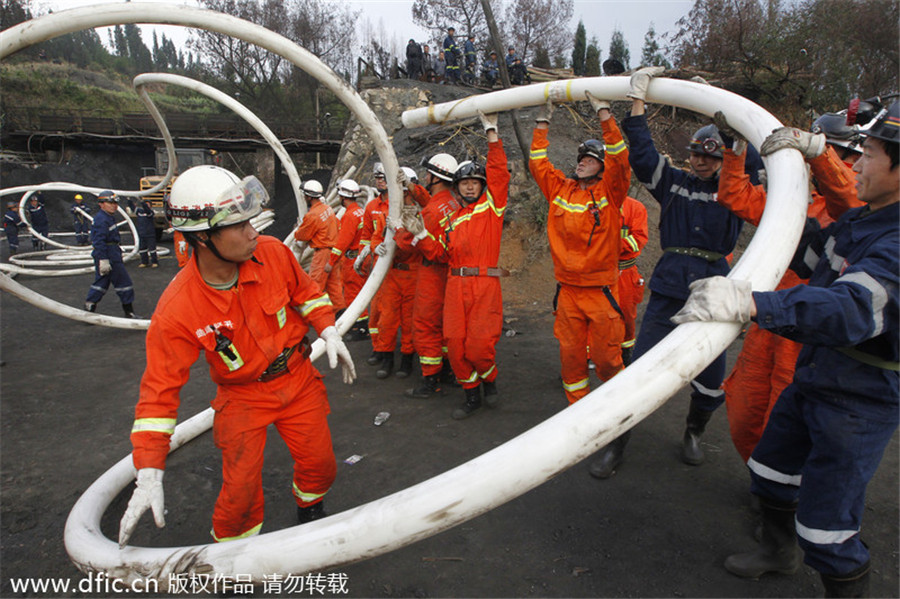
[319, 229]
[583, 226]
[182, 249]
[345, 251]
[374, 222]
[766, 363]
[631, 285]
[431, 283]
[269, 310]
[473, 304]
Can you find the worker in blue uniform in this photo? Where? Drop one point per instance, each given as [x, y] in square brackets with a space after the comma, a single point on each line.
[452, 54]
[697, 234]
[82, 222]
[143, 220]
[829, 428]
[12, 222]
[37, 216]
[107, 254]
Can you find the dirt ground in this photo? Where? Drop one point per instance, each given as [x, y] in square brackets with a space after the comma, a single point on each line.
[658, 528]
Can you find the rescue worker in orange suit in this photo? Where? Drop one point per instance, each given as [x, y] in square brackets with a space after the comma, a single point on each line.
[438, 203]
[765, 366]
[374, 222]
[583, 226]
[182, 249]
[631, 284]
[319, 230]
[469, 240]
[245, 303]
[396, 296]
[345, 251]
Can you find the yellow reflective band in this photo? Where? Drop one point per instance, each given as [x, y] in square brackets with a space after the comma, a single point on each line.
[627, 344]
[471, 379]
[373, 330]
[318, 302]
[488, 373]
[576, 386]
[365, 242]
[539, 154]
[252, 532]
[281, 316]
[336, 251]
[632, 243]
[154, 425]
[483, 207]
[307, 497]
[232, 364]
[430, 360]
[578, 208]
[616, 148]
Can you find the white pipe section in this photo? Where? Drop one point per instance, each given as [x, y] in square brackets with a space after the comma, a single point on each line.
[512, 469]
[242, 111]
[40, 301]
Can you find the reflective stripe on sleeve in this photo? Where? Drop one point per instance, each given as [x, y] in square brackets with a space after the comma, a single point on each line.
[615, 148]
[879, 296]
[155, 425]
[318, 302]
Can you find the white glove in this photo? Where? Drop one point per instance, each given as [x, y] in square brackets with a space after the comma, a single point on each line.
[357, 265]
[488, 121]
[337, 351]
[104, 267]
[381, 249]
[182, 246]
[596, 103]
[717, 299]
[402, 179]
[147, 494]
[413, 223]
[545, 113]
[640, 81]
[810, 145]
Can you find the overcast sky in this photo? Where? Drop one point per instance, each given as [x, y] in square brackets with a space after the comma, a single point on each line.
[600, 17]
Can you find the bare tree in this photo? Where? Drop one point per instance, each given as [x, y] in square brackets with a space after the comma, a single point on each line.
[544, 23]
[466, 16]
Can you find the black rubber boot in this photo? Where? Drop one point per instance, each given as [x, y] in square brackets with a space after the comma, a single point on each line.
[609, 458]
[447, 375]
[431, 385]
[375, 359]
[312, 512]
[777, 551]
[491, 397]
[129, 311]
[406, 366]
[90, 306]
[387, 365]
[472, 405]
[691, 452]
[852, 584]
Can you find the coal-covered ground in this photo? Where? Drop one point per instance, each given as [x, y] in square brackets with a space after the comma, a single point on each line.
[658, 528]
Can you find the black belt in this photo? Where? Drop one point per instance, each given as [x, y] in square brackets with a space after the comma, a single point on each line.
[351, 253]
[279, 365]
[625, 264]
[707, 255]
[400, 266]
[475, 271]
[427, 262]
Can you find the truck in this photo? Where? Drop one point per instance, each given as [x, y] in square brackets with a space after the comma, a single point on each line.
[187, 157]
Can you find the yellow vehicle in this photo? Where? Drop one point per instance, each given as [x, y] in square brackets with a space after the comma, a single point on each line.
[187, 157]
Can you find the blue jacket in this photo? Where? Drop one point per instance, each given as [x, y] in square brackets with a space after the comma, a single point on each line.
[851, 302]
[105, 238]
[470, 52]
[38, 217]
[11, 222]
[77, 215]
[144, 220]
[689, 217]
[451, 51]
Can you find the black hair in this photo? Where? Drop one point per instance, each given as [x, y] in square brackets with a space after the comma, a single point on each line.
[892, 149]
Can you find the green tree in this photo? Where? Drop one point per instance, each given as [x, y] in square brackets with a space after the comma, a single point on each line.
[578, 52]
[651, 56]
[541, 58]
[592, 59]
[618, 48]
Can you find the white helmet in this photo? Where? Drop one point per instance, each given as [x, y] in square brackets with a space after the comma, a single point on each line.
[348, 188]
[378, 169]
[210, 197]
[442, 166]
[312, 189]
[410, 174]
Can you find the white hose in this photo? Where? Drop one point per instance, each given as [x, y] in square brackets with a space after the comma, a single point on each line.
[497, 476]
